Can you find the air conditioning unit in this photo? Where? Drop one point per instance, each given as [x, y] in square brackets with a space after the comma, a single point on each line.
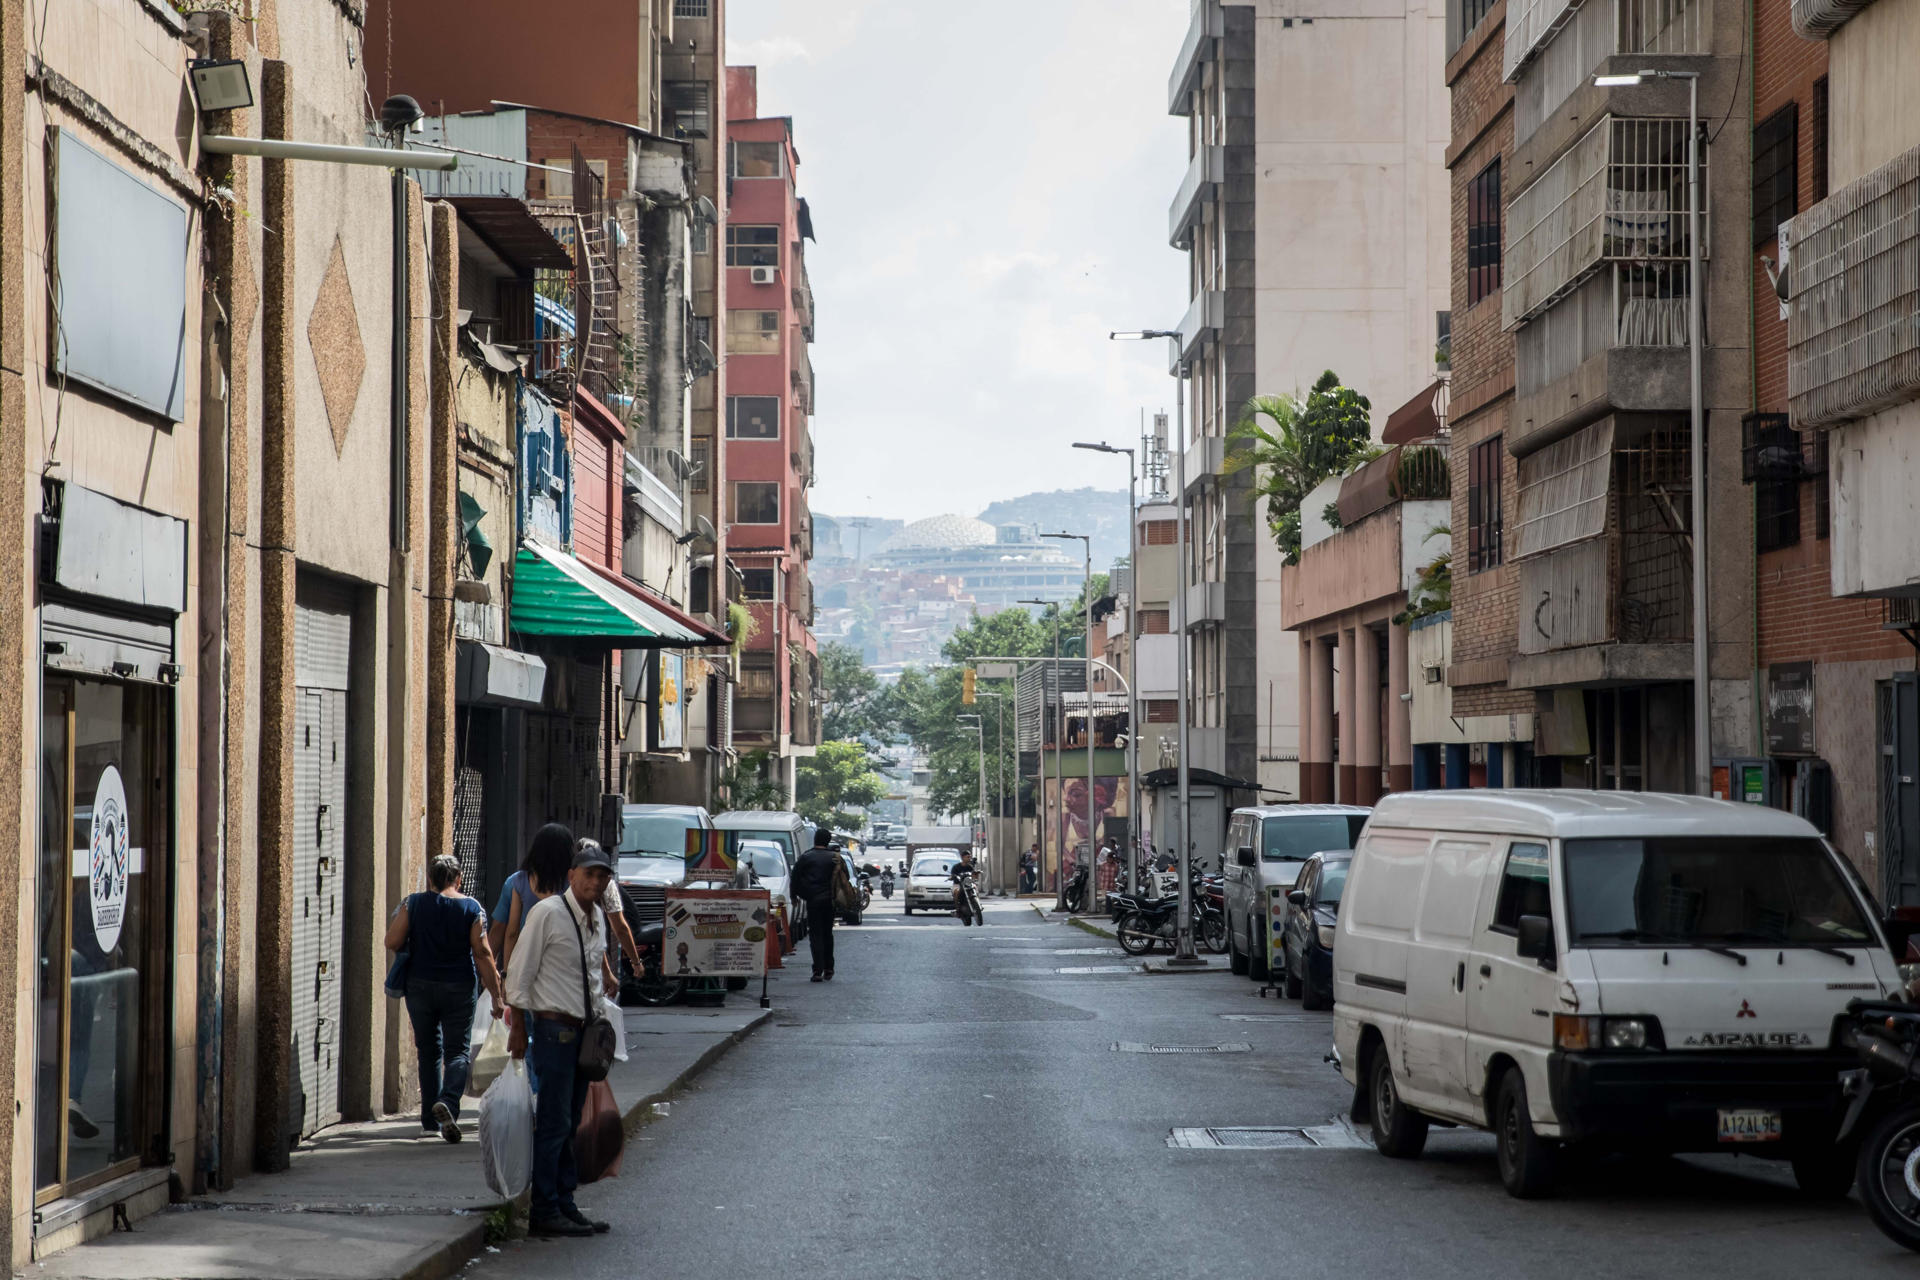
[766, 275]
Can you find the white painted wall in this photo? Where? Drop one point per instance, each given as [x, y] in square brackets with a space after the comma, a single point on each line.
[1875, 509]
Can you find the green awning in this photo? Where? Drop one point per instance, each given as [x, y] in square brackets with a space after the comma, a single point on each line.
[556, 595]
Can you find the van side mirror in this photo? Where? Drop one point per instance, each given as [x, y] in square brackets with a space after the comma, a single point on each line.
[1244, 855]
[1536, 941]
[1900, 934]
[1298, 897]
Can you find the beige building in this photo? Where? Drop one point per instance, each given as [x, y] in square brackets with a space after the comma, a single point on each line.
[1313, 212]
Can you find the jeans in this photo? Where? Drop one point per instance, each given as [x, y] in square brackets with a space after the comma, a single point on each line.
[442, 1017]
[820, 932]
[553, 1052]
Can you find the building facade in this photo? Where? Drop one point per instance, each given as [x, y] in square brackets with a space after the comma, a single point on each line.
[769, 445]
[1311, 216]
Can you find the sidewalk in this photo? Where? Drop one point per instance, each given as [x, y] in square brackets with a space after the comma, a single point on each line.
[375, 1202]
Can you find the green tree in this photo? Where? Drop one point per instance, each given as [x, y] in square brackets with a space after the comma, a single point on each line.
[855, 706]
[1294, 444]
[836, 784]
[748, 785]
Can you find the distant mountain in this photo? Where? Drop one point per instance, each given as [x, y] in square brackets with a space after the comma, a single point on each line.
[1100, 512]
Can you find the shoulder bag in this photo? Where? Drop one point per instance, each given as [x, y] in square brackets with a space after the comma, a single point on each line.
[598, 1042]
[403, 958]
[845, 900]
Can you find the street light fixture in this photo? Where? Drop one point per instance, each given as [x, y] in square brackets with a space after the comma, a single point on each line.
[980, 731]
[1059, 740]
[1697, 442]
[1183, 952]
[1086, 648]
[1133, 669]
[996, 882]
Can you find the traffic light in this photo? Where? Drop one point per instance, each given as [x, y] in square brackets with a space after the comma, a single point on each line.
[966, 686]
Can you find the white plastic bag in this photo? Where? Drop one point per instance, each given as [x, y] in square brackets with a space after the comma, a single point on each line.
[489, 1060]
[506, 1131]
[482, 1022]
[610, 1010]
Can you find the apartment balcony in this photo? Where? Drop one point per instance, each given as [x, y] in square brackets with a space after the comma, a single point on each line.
[1205, 318]
[755, 717]
[1597, 286]
[1205, 460]
[1208, 25]
[1206, 604]
[802, 380]
[1602, 545]
[1853, 326]
[1205, 173]
[1570, 38]
[1393, 513]
[1819, 19]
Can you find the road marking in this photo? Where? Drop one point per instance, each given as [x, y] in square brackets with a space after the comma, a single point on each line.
[1076, 969]
[1338, 1136]
[1132, 1046]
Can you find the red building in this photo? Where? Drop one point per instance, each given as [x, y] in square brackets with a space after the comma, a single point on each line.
[769, 450]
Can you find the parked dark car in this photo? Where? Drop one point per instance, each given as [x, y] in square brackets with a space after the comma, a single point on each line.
[1307, 941]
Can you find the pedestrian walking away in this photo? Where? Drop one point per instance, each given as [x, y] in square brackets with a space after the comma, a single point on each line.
[813, 877]
[444, 933]
[561, 950]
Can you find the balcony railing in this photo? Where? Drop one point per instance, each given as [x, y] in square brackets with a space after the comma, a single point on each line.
[1853, 324]
[1604, 542]
[1631, 26]
[1205, 172]
[1624, 305]
[1619, 195]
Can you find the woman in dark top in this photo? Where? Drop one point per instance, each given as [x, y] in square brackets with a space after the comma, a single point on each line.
[445, 933]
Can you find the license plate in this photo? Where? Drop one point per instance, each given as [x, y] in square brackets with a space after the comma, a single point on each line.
[1749, 1126]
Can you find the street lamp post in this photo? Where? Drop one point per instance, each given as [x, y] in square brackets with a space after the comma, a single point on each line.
[1133, 668]
[994, 881]
[1183, 952]
[1697, 442]
[980, 732]
[1059, 740]
[1087, 898]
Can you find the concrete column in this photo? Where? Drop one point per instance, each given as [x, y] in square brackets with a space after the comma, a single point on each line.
[443, 529]
[1316, 747]
[1399, 712]
[19, 666]
[1366, 716]
[273, 949]
[1349, 721]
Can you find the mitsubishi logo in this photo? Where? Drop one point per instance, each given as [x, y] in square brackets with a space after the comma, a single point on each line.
[1746, 1011]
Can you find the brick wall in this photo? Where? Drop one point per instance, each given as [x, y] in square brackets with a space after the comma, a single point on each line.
[552, 138]
[1799, 619]
[1481, 395]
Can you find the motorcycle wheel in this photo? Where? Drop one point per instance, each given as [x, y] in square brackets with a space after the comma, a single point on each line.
[1135, 935]
[1889, 1176]
[1213, 935]
[866, 899]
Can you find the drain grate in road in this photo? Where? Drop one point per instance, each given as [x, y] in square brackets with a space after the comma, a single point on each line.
[1076, 969]
[1131, 1046]
[1274, 1017]
[1338, 1136]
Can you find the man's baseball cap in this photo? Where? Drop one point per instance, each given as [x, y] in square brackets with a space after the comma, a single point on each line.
[589, 854]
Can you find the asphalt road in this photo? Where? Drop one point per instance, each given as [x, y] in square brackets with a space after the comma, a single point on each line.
[953, 1105]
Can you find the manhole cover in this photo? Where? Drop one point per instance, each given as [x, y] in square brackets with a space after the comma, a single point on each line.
[1338, 1136]
[1130, 1046]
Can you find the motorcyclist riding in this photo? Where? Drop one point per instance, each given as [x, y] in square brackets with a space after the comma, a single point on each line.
[968, 906]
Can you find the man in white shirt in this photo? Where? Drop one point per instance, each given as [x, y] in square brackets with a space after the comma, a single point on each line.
[562, 940]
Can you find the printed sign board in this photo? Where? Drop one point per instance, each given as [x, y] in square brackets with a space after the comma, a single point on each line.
[108, 859]
[1276, 926]
[707, 853]
[716, 933]
[1790, 709]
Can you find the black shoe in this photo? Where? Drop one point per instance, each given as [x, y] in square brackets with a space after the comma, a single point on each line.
[558, 1227]
[816, 978]
[578, 1218]
[829, 975]
[449, 1127]
[77, 1121]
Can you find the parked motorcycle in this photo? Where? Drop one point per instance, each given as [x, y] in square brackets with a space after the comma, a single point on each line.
[1883, 1115]
[866, 891]
[651, 987]
[966, 898]
[1076, 889]
[1141, 922]
[886, 883]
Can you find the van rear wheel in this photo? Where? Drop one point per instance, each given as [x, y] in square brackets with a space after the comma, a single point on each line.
[1529, 1163]
[1398, 1131]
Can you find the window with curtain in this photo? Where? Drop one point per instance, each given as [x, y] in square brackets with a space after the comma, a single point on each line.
[1483, 233]
[1484, 531]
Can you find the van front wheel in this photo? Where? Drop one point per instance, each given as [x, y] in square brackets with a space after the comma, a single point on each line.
[1397, 1131]
[1256, 952]
[1529, 1163]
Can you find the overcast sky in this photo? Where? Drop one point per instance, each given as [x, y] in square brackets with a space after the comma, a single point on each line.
[989, 182]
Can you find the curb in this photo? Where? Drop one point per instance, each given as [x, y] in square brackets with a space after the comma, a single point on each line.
[1151, 967]
[641, 1112]
[1093, 929]
[448, 1259]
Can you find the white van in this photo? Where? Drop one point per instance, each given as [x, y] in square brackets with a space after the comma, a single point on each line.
[1602, 968]
[1266, 847]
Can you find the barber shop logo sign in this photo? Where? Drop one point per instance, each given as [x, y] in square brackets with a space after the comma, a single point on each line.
[107, 859]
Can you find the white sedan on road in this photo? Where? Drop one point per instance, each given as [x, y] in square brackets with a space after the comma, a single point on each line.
[930, 884]
[770, 872]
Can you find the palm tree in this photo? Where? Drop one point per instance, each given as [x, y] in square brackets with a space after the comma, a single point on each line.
[1271, 441]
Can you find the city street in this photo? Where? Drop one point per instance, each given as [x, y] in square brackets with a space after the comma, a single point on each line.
[954, 1104]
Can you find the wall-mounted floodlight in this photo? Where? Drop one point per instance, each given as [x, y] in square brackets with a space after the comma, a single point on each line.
[1619, 81]
[220, 84]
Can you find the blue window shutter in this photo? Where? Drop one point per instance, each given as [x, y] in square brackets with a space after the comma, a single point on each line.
[566, 498]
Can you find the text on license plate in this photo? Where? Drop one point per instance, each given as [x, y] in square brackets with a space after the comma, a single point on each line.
[1749, 1126]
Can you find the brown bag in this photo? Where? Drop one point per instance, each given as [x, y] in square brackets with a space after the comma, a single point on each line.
[845, 900]
[600, 1141]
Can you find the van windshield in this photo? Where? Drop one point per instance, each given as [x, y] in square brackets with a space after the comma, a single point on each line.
[1295, 838]
[655, 835]
[1710, 891]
